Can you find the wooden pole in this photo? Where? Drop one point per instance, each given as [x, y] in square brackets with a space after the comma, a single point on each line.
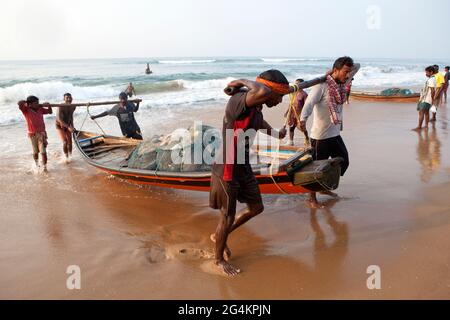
[90, 104]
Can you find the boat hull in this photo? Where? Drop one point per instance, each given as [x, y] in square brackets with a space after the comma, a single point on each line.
[275, 183]
[381, 98]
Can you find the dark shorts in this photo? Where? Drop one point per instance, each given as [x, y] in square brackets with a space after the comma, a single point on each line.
[244, 188]
[423, 106]
[330, 148]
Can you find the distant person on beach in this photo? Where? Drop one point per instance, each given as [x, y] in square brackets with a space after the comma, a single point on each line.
[295, 109]
[439, 90]
[446, 79]
[348, 89]
[147, 70]
[232, 181]
[130, 90]
[426, 98]
[326, 101]
[124, 111]
[64, 125]
[34, 117]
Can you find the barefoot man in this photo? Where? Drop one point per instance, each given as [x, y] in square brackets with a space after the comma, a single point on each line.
[231, 180]
[124, 111]
[64, 125]
[34, 117]
[426, 99]
[325, 102]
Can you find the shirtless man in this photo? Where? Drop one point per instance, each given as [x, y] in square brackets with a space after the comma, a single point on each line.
[232, 181]
[295, 109]
[130, 90]
[64, 125]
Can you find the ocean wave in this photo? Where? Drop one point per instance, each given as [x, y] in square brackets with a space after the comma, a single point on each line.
[53, 91]
[181, 84]
[186, 61]
[178, 92]
[281, 60]
[389, 76]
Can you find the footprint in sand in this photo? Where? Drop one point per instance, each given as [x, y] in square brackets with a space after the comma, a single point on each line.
[155, 253]
[187, 252]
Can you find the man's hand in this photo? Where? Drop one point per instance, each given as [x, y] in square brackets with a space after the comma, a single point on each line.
[22, 103]
[233, 87]
[302, 126]
[46, 105]
[282, 133]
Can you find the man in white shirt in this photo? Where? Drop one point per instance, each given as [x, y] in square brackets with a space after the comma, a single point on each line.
[426, 98]
[325, 102]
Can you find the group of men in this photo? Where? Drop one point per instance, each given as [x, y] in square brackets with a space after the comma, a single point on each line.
[34, 117]
[232, 181]
[433, 95]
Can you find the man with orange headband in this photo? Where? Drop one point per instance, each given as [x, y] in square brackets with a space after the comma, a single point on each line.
[326, 101]
[233, 180]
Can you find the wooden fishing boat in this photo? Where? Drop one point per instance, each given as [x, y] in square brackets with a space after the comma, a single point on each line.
[110, 154]
[373, 96]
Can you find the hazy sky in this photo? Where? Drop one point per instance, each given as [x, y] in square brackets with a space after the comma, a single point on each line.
[60, 29]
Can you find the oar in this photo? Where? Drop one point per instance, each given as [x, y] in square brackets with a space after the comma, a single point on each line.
[89, 104]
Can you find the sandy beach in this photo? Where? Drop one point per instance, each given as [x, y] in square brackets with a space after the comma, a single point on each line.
[133, 242]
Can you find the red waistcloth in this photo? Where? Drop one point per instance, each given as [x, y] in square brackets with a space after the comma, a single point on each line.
[238, 124]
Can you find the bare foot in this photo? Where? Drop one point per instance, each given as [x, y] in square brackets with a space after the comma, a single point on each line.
[329, 193]
[417, 129]
[227, 251]
[314, 204]
[227, 268]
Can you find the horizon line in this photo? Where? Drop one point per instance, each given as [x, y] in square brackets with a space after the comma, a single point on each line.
[198, 57]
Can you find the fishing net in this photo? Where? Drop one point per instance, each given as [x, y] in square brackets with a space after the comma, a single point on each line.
[183, 150]
[396, 92]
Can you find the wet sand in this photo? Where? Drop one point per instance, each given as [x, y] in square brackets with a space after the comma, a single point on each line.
[149, 243]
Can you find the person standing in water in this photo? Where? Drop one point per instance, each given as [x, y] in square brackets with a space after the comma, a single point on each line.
[34, 117]
[147, 70]
[130, 90]
[326, 101]
[64, 125]
[124, 111]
